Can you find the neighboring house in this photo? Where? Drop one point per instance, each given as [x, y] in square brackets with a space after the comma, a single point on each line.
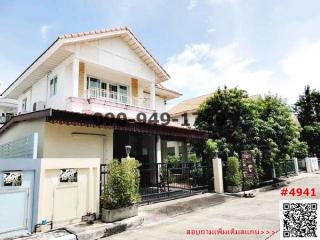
[185, 113]
[8, 108]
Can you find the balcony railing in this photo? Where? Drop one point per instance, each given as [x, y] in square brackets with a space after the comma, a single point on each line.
[116, 97]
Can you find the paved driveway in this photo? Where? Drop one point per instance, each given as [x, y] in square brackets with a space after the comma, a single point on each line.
[259, 213]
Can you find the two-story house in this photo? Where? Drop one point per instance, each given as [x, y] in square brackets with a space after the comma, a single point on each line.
[106, 71]
[86, 97]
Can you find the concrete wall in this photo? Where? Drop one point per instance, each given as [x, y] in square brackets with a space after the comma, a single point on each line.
[63, 141]
[65, 203]
[58, 141]
[40, 90]
[23, 129]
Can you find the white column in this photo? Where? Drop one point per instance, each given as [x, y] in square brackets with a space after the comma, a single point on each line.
[217, 175]
[158, 149]
[296, 167]
[176, 148]
[153, 96]
[75, 77]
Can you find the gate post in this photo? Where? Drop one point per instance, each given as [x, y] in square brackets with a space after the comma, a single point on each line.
[217, 175]
[296, 167]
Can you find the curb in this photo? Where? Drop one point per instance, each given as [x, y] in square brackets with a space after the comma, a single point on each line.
[83, 231]
[283, 183]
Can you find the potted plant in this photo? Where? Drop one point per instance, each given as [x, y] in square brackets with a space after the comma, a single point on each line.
[121, 191]
[234, 180]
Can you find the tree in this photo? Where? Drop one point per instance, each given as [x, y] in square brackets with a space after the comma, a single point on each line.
[228, 118]
[307, 109]
[278, 132]
[237, 122]
[304, 107]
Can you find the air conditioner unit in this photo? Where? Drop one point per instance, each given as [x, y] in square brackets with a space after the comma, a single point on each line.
[39, 106]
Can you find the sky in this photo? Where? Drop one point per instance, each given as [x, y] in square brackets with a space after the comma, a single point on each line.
[261, 46]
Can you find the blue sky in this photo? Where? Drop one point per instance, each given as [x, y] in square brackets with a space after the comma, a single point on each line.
[261, 46]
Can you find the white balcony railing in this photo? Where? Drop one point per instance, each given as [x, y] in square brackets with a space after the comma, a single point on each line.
[116, 97]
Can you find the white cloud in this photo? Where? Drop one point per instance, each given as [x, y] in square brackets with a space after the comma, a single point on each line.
[211, 30]
[301, 67]
[44, 31]
[192, 4]
[201, 68]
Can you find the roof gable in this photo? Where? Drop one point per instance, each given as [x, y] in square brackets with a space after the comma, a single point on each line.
[55, 49]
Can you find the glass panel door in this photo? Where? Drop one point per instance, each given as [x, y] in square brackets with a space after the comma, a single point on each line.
[94, 87]
[123, 94]
[113, 90]
[104, 92]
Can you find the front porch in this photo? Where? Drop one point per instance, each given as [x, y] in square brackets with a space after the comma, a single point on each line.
[164, 173]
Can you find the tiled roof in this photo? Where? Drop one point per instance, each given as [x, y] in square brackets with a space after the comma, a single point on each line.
[160, 86]
[189, 105]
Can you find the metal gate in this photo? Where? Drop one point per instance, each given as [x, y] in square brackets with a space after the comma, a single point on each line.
[16, 205]
[19, 171]
[160, 181]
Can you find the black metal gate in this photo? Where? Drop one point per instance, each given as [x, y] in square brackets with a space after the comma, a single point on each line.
[160, 181]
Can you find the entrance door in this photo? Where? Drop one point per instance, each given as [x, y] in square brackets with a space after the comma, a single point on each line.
[16, 205]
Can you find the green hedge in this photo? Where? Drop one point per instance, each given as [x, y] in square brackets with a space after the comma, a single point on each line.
[233, 172]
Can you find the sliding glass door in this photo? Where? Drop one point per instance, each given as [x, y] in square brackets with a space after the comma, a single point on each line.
[123, 94]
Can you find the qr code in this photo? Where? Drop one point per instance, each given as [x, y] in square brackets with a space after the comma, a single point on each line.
[299, 219]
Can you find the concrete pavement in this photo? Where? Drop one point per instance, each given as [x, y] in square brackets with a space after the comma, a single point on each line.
[259, 213]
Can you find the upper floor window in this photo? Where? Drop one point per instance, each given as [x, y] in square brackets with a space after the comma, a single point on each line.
[24, 105]
[53, 86]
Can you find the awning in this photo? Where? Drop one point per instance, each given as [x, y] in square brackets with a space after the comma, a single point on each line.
[89, 120]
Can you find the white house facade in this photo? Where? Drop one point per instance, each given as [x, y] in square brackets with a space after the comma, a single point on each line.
[85, 98]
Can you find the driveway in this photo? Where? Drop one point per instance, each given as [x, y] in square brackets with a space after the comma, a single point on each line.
[259, 213]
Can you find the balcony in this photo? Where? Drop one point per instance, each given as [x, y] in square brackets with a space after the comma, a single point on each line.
[116, 97]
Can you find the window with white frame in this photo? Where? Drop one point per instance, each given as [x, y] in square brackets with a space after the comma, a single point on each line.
[24, 105]
[53, 86]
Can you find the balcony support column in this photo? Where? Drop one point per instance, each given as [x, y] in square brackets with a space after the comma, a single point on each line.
[153, 96]
[75, 77]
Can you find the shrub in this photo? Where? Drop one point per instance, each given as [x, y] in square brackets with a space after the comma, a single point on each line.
[211, 148]
[173, 161]
[122, 184]
[233, 172]
[193, 160]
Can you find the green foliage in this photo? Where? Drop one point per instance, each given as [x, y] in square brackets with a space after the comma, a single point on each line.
[300, 149]
[211, 148]
[237, 122]
[307, 109]
[233, 172]
[311, 134]
[122, 184]
[173, 161]
[193, 160]
[228, 118]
